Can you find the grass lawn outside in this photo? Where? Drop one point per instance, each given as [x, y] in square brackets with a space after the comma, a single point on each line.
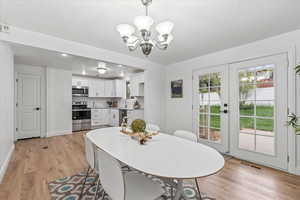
[247, 121]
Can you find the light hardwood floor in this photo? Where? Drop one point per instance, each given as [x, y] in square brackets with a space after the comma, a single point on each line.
[38, 161]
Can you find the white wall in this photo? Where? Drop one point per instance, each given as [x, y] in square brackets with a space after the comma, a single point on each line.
[179, 111]
[59, 101]
[6, 106]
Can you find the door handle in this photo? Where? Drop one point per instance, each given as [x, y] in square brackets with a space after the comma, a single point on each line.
[37, 108]
[225, 111]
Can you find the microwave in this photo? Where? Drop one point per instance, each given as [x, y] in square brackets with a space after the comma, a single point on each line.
[80, 91]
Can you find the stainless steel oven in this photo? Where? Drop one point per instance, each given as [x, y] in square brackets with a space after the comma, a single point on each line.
[80, 91]
[81, 117]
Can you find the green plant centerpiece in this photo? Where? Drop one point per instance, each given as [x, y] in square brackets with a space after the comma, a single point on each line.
[138, 126]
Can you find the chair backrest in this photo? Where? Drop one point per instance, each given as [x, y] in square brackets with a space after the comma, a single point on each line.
[111, 176]
[186, 135]
[89, 152]
[152, 128]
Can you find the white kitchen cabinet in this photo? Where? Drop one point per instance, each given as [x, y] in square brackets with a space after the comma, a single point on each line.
[100, 117]
[79, 82]
[96, 88]
[137, 85]
[114, 117]
[120, 88]
[134, 114]
[109, 88]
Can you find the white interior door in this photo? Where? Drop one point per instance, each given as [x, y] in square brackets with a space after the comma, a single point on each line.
[28, 106]
[210, 106]
[258, 110]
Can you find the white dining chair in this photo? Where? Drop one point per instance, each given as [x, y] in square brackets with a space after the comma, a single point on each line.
[90, 158]
[192, 137]
[124, 186]
[186, 135]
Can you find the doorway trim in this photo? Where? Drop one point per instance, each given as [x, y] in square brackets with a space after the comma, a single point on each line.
[32, 70]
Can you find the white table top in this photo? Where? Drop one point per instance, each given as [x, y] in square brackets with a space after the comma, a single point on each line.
[165, 155]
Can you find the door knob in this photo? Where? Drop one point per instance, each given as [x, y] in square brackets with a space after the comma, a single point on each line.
[37, 108]
[225, 111]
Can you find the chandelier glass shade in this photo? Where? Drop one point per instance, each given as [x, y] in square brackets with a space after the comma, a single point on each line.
[143, 25]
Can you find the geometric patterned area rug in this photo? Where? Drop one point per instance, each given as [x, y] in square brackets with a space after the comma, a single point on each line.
[69, 188]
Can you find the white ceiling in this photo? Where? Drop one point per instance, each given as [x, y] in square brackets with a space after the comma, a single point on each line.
[39, 57]
[201, 26]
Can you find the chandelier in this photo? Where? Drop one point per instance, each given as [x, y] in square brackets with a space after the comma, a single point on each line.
[143, 24]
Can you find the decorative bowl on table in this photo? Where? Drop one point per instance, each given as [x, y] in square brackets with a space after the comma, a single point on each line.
[138, 131]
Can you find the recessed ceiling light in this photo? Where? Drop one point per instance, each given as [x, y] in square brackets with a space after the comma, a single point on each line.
[64, 55]
[102, 68]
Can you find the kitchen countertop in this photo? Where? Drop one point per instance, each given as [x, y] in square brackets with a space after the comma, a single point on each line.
[119, 108]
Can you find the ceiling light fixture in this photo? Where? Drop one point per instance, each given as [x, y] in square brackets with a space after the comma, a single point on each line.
[122, 74]
[143, 24]
[101, 68]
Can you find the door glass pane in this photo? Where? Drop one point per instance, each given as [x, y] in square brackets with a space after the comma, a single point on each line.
[214, 94]
[247, 92]
[204, 120]
[215, 121]
[246, 77]
[203, 81]
[247, 141]
[203, 132]
[265, 108]
[257, 93]
[210, 107]
[215, 107]
[215, 79]
[215, 135]
[264, 91]
[204, 94]
[264, 125]
[247, 125]
[265, 144]
[247, 108]
[204, 107]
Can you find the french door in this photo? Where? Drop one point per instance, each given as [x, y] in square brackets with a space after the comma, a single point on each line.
[210, 106]
[241, 109]
[258, 111]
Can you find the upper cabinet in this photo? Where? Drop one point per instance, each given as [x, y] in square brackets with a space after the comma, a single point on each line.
[79, 82]
[96, 88]
[101, 87]
[137, 85]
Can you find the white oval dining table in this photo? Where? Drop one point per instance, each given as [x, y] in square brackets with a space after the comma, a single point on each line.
[164, 155]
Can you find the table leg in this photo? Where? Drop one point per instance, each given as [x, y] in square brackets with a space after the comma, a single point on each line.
[179, 190]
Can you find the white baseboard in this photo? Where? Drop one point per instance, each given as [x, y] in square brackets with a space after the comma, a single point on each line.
[6, 162]
[58, 133]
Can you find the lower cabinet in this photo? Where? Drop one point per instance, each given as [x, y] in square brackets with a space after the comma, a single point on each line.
[114, 118]
[100, 117]
[108, 117]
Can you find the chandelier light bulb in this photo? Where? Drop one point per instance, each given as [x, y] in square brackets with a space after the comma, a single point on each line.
[162, 39]
[165, 28]
[125, 30]
[143, 23]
